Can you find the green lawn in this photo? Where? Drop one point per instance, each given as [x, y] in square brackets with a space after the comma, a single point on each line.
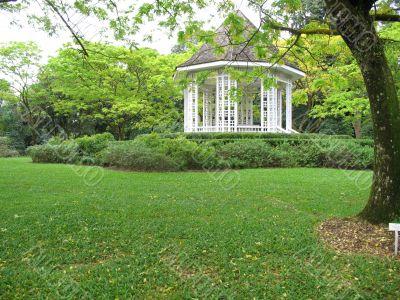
[180, 235]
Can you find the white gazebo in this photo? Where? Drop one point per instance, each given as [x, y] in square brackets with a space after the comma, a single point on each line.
[212, 107]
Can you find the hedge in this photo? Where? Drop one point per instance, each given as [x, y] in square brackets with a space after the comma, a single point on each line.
[155, 152]
[252, 135]
[83, 150]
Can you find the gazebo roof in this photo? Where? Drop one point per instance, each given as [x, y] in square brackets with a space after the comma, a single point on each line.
[206, 53]
[233, 53]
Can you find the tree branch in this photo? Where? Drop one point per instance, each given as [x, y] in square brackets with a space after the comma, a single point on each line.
[76, 37]
[325, 31]
[386, 17]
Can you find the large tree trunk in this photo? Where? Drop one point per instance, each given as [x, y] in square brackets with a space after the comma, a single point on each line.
[361, 37]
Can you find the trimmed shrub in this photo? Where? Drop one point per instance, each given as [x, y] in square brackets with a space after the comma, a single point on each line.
[137, 156]
[84, 150]
[248, 153]
[252, 135]
[347, 155]
[186, 154]
[153, 152]
[6, 149]
[256, 154]
[91, 145]
[47, 153]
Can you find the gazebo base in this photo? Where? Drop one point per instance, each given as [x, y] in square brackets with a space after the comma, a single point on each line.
[244, 128]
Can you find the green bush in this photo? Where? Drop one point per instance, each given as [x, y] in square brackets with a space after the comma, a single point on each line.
[256, 154]
[91, 145]
[346, 155]
[84, 150]
[47, 153]
[155, 152]
[252, 135]
[137, 156]
[6, 149]
[186, 154]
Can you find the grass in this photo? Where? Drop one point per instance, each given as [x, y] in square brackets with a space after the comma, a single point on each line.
[180, 235]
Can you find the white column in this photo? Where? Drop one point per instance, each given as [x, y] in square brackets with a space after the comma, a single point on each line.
[193, 107]
[219, 101]
[242, 106]
[186, 110]
[249, 109]
[235, 106]
[279, 111]
[289, 106]
[206, 108]
[196, 107]
[212, 108]
[262, 106]
[272, 109]
[227, 103]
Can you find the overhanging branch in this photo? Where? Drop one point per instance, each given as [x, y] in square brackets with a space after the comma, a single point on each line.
[76, 37]
[325, 31]
[386, 17]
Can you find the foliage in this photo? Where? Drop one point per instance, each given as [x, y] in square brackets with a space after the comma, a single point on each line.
[115, 89]
[154, 152]
[83, 150]
[13, 127]
[91, 145]
[178, 154]
[50, 153]
[136, 156]
[19, 63]
[334, 86]
[256, 154]
[6, 149]
[250, 135]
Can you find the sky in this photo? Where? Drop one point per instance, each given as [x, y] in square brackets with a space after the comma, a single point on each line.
[162, 42]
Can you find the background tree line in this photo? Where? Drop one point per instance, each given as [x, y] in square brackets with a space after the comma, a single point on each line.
[117, 90]
[127, 92]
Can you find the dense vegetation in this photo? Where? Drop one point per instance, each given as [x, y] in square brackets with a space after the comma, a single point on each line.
[219, 151]
[130, 92]
[181, 235]
[6, 148]
[117, 90]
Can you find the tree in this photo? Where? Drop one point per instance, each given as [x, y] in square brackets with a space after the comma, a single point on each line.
[359, 33]
[19, 63]
[333, 87]
[114, 89]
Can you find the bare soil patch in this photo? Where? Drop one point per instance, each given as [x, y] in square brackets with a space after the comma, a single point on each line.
[357, 236]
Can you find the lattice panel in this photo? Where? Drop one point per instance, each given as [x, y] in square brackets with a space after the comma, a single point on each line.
[193, 107]
[232, 106]
[270, 110]
[220, 103]
[226, 108]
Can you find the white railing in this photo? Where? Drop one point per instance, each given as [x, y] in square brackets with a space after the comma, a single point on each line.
[249, 128]
[241, 128]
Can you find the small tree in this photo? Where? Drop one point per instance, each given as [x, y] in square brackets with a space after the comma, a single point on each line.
[19, 63]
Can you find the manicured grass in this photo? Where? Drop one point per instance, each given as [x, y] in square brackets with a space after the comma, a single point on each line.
[180, 235]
